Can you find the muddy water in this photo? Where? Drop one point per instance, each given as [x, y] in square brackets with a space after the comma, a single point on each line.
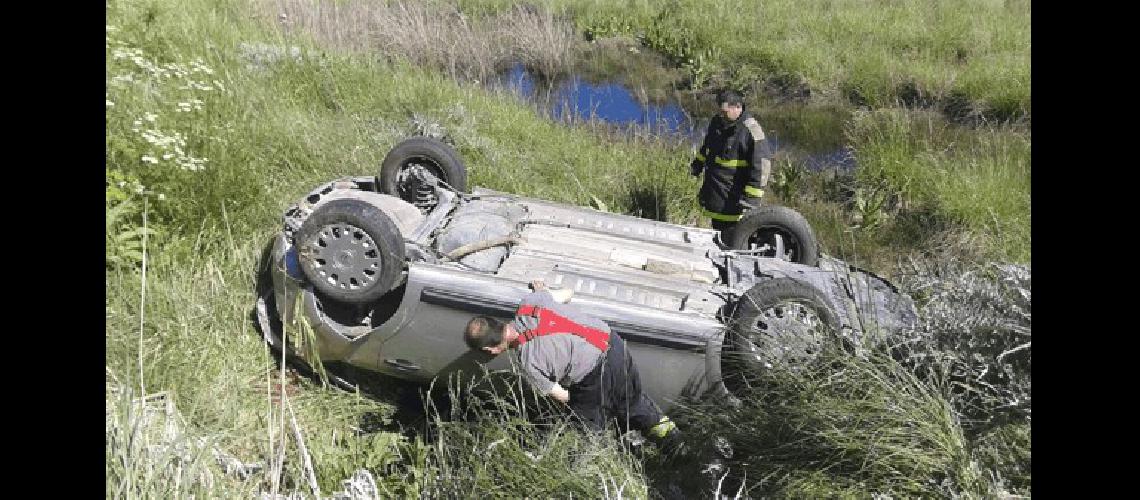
[807, 135]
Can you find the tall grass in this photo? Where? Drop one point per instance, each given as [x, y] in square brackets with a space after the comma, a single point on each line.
[151, 452]
[941, 411]
[968, 58]
[249, 126]
[270, 131]
[920, 185]
[966, 175]
[848, 426]
[435, 34]
[499, 438]
[980, 179]
[333, 114]
[976, 331]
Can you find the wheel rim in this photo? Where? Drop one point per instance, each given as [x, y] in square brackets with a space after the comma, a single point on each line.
[788, 333]
[412, 189]
[344, 256]
[775, 243]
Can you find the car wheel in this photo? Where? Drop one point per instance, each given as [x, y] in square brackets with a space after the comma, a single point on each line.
[779, 232]
[402, 169]
[780, 323]
[350, 251]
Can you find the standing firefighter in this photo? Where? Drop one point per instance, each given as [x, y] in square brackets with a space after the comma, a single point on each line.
[736, 160]
[575, 358]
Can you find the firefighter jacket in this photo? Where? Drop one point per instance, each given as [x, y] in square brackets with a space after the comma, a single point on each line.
[736, 160]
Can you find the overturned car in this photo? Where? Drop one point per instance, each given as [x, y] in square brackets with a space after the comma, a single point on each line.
[386, 271]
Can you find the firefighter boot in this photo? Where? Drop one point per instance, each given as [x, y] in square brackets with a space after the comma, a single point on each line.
[668, 438]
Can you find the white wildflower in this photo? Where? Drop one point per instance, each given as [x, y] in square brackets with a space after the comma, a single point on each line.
[150, 159]
[122, 183]
[139, 189]
[191, 164]
[150, 117]
[161, 197]
[110, 104]
[198, 66]
[125, 53]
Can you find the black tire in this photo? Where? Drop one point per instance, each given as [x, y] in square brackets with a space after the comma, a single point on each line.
[780, 323]
[762, 225]
[439, 158]
[350, 251]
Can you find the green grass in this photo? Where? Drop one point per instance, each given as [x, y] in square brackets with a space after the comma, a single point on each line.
[151, 453]
[267, 135]
[848, 426]
[921, 184]
[276, 132]
[270, 136]
[500, 439]
[940, 411]
[870, 52]
[981, 179]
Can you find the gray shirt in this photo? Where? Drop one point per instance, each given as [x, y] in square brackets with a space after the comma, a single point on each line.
[565, 359]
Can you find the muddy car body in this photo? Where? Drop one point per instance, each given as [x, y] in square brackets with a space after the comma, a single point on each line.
[387, 270]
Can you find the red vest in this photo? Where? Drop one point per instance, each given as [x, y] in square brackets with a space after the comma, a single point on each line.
[550, 322]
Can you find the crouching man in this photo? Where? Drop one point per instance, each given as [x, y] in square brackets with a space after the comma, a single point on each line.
[575, 358]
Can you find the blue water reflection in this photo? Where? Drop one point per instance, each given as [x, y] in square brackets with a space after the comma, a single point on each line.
[574, 99]
[609, 102]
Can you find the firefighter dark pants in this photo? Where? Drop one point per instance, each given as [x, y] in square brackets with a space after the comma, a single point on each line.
[725, 228]
[613, 391]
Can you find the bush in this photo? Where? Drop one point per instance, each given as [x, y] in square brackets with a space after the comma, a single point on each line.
[975, 333]
[847, 424]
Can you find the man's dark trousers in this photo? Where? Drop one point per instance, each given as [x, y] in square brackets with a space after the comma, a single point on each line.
[613, 390]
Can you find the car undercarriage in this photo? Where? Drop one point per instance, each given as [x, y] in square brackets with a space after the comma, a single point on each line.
[387, 269]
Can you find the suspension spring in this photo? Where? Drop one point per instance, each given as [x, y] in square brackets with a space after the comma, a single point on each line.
[425, 198]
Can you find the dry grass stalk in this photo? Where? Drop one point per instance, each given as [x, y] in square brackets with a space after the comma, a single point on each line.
[435, 35]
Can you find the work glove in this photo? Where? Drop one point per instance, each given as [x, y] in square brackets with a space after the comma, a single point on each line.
[696, 167]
